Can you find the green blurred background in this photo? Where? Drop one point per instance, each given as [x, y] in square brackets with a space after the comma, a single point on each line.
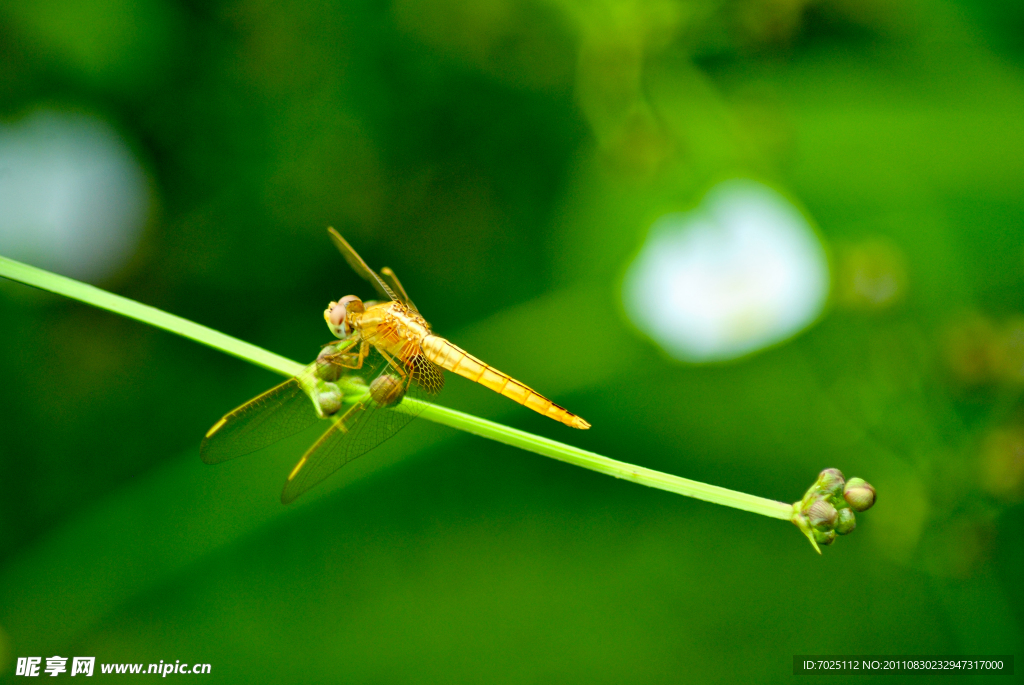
[507, 158]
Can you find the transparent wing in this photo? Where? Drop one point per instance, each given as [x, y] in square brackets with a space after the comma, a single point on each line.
[362, 426]
[273, 416]
[359, 266]
[389, 275]
[428, 375]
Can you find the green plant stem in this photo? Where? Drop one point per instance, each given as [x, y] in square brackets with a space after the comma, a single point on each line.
[88, 294]
[83, 292]
[610, 467]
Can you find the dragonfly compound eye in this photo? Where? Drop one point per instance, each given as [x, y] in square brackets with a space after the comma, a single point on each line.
[351, 303]
[338, 313]
[335, 315]
[387, 390]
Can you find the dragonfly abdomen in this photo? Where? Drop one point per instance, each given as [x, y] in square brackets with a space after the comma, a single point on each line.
[455, 359]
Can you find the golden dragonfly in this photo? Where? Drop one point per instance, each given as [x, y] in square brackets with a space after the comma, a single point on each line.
[385, 352]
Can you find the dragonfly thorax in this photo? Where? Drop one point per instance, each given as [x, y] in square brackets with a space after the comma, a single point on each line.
[391, 325]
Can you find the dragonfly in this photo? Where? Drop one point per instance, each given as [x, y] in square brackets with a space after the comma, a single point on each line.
[385, 352]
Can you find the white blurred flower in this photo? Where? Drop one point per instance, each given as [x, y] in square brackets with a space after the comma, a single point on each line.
[740, 272]
[73, 198]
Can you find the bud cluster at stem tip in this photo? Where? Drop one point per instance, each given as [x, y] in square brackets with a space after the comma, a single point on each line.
[828, 507]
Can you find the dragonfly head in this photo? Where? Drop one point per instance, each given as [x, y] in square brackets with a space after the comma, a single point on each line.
[337, 315]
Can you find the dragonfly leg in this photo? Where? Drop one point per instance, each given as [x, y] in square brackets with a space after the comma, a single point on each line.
[349, 360]
[364, 351]
[395, 365]
[404, 372]
[338, 346]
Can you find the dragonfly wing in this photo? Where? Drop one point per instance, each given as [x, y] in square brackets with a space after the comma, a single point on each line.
[427, 374]
[359, 266]
[360, 428]
[388, 274]
[273, 416]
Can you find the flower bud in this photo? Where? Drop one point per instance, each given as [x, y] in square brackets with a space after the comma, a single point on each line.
[387, 390]
[824, 537]
[859, 494]
[830, 482]
[846, 521]
[821, 515]
[326, 369]
[329, 398]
